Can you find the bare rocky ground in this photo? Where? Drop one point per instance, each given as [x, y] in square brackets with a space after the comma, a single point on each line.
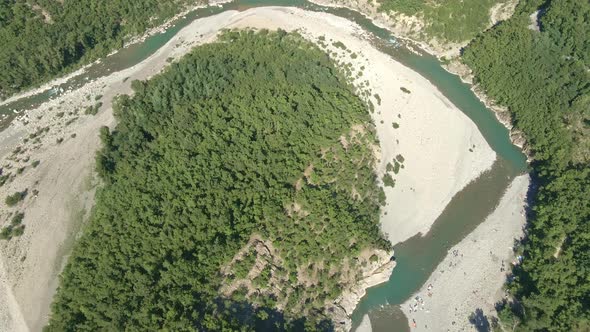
[411, 28]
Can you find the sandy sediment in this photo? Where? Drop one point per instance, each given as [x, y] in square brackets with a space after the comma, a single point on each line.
[365, 325]
[441, 148]
[65, 182]
[409, 29]
[469, 280]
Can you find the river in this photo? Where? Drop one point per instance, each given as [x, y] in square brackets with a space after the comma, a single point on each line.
[418, 256]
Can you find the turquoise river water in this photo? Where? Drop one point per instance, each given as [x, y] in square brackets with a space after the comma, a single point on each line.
[417, 257]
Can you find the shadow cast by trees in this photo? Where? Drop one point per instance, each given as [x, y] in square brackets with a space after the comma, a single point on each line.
[510, 313]
[245, 315]
[480, 321]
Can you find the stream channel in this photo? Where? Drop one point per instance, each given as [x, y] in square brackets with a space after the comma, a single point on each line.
[418, 256]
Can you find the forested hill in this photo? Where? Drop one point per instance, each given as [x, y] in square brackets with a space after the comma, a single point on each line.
[41, 39]
[446, 20]
[538, 64]
[239, 194]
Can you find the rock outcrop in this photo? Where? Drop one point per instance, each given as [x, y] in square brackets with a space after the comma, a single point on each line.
[375, 273]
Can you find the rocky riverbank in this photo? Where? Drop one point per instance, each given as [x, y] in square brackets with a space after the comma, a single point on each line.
[409, 28]
[373, 274]
[428, 146]
[502, 113]
[461, 293]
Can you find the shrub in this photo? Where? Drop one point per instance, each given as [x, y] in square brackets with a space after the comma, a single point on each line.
[92, 110]
[18, 231]
[263, 278]
[17, 219]
[9, 232]
[388, 181]
[4, 178]
[12, 200]
[340, 45]
[6, 233]
[396, 167]
[382, 197]
[378, 98]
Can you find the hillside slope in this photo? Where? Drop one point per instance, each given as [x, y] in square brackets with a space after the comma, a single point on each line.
[536, 64]
[243, 208]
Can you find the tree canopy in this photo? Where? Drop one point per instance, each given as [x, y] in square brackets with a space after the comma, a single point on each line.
[544, 79]
[449, 20]
[42, 39]
[241, 137]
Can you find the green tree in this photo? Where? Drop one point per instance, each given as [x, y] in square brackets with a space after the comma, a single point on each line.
[543, 78]
[207, 153]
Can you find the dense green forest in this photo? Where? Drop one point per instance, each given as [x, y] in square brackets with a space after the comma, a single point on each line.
[241, 138]
[544, 78]
[42, 39]
[451, 20]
